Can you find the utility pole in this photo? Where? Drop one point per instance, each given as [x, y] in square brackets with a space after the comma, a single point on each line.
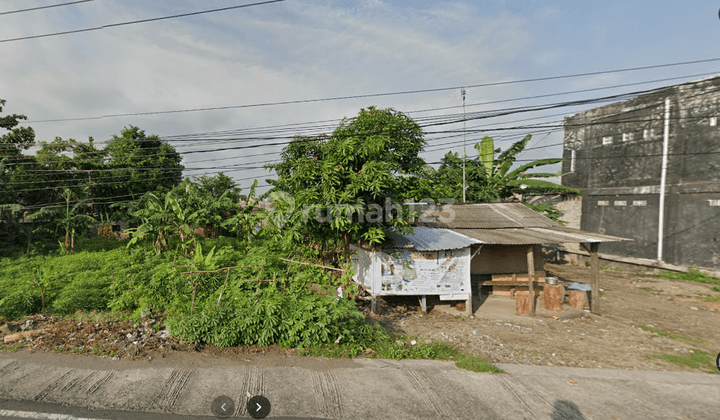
[462, 92]
[663, 180]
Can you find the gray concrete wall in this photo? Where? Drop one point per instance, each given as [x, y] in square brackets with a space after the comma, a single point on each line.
[617, 158]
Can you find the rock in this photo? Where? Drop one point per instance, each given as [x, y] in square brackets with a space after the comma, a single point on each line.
[475, 332]
[413, 342]
[115, 358]
[694, 308]
[4, 330]
[17, 337]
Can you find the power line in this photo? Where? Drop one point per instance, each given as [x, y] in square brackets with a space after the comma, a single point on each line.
[114, 25]
[371, 95]
[445, 145]
[44, 7]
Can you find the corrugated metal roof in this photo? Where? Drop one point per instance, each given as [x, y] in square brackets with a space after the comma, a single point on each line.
[485, 216]
[535, 236]
[430, 239]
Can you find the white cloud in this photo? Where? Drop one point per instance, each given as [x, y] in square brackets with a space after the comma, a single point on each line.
[287, 51]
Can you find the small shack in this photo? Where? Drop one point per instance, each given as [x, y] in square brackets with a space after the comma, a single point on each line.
[429, 261]
[511, 235]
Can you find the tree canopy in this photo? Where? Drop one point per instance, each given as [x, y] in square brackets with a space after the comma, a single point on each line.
[352, 183]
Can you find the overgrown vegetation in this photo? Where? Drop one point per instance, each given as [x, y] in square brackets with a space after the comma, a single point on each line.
[206, 258]
[697, 360]
[692, 275]
[673, 336]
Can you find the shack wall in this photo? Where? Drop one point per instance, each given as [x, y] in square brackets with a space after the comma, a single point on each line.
[504, 259]
[402, 272]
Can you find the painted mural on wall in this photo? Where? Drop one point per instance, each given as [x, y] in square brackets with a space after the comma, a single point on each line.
[438, 272]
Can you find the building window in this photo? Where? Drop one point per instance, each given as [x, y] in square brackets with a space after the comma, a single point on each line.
[713, 121]
[572, 161]
[607, 140]
[603, 203]
[639, 203]
[627, 136]
[620, 203]
[648, 132]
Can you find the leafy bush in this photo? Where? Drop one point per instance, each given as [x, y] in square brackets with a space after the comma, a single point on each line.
[229, 308]
[271, 316]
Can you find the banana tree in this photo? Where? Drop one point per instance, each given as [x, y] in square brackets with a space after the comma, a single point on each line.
[69, 218]
[155, 215]
[489, 177]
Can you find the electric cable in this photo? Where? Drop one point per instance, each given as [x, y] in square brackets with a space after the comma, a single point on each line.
[44, 7]
[114, 25]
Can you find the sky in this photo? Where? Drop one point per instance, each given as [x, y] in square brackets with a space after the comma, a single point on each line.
[249, 60]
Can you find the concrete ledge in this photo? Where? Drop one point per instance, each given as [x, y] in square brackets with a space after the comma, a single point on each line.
[659, 265]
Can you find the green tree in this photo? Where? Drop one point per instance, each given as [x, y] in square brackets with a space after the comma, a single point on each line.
[207, 202]
[489, 176]
[70, 218]
[15, 176]
[137, 164]
[349, 186]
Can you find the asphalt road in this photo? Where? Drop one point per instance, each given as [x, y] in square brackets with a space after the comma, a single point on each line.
[374, 389]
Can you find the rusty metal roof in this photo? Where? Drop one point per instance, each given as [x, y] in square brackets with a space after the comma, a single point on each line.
[535, 236]
[430, 239]
[485, 216]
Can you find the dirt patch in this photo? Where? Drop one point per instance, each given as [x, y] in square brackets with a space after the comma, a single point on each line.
[69, 343]
[608, 340]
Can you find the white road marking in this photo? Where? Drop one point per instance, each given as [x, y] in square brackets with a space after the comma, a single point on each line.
[45, 416]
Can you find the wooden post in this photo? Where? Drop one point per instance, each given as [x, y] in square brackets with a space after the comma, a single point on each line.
[594, 279]
[531, 276]
[374, 306]
[423, 304]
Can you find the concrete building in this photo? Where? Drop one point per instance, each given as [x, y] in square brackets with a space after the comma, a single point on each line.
[649, 169]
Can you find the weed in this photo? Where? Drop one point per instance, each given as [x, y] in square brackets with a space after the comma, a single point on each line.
[102, 351]
[693, 275]
[647, 289]
[715, 289]
[639, 272]
[673, 336]
[11, 349]
[397, 347]
[476, 364]
[710, 297]
[698, 360]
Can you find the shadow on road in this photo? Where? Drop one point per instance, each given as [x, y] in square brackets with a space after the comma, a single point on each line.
[565, 410]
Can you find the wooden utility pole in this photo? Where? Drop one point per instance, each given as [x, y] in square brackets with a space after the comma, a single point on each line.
[592, 249]
[531, 276]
